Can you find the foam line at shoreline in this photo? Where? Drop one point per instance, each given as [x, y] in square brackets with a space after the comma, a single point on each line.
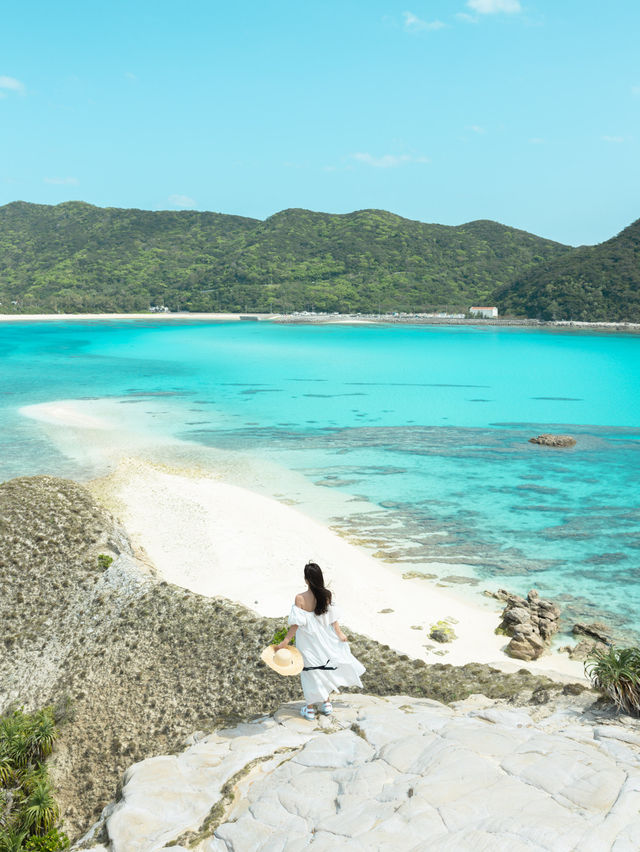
[218, 539]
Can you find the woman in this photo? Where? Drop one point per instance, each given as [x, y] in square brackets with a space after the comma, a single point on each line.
[328, 662]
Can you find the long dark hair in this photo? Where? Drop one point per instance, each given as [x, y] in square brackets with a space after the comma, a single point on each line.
[313, 576]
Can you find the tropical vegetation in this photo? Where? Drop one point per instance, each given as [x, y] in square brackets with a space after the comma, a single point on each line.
[74, 257]
[590, 283]
[616, 673]
[279, 635]
[29, 815]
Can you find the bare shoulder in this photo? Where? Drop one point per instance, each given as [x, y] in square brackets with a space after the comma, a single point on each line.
[306, 601]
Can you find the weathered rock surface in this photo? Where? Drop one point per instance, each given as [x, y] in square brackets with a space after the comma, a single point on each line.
[583, 649]
[441, 635]
[597, 630]
[442, 632]
[134, 664]
[391, 774]
[548, 440]
[593, 637]
[530, 621]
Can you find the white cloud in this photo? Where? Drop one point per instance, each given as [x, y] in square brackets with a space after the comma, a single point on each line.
[635, 90]
[130, 75]
[414, 24]
[615, 139]
[492, 7]
[182, 201]
[537, 140]
[477, 129]
[12, 85]
[468, 19]
[62, 181]
[388, 161]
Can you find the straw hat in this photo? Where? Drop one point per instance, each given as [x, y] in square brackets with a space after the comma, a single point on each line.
[286, 661]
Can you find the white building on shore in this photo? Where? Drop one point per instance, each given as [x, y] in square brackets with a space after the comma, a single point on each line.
[487, 313]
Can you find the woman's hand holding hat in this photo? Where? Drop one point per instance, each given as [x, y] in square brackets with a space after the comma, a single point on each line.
[283, 659]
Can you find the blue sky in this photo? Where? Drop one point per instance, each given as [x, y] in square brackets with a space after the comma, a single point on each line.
[522, 111]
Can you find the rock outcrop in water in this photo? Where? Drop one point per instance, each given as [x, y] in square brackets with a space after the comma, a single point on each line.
[593, 637]
[530, 621]
[390, 774]
[597, 630]
[548, 440]
[136, 664]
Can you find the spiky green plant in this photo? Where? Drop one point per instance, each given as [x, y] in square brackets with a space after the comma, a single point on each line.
[6, 768]
[40, 810]
[32, 777]
[11, 840]
[28, 811]
[42, 734]
[15, 740]
[616, 673]
[26, 739]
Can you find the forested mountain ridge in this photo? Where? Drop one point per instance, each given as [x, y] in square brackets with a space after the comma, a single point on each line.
[590, 283]
[77, 257]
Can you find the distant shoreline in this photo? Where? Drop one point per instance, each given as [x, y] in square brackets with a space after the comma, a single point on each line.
[329, 319]
[159, 316]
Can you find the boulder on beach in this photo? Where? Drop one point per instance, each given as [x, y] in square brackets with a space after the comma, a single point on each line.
[442, 632]
[548, 440]
[530, 621]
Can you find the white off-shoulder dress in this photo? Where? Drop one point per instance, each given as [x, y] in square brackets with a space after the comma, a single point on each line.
[319, 645]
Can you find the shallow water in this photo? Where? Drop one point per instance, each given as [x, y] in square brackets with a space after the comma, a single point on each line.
[431, 424]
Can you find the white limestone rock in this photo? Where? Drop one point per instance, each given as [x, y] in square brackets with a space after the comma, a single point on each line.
[384, 775]
[342, 749]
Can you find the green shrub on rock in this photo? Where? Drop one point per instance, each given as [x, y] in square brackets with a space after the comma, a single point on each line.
[52, 841]
[441, 631]
[616, 673]
[279, 635]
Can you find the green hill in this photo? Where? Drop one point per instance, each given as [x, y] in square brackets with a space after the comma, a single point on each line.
[76, 257]
[591, 283]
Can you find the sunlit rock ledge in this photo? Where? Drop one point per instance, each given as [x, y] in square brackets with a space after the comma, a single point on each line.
[392, 773]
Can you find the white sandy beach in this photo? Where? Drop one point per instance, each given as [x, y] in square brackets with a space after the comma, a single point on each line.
[220, 539]
[329, 319]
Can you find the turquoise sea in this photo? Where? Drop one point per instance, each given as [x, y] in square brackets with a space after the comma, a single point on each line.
[429, 423]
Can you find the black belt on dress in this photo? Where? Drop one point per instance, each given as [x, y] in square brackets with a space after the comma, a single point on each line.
[326, 667]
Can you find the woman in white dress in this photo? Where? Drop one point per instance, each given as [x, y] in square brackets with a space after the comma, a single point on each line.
[328, 662]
